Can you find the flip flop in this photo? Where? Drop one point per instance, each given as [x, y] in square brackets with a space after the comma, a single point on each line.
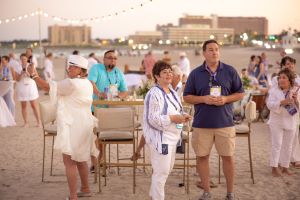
[84, 194]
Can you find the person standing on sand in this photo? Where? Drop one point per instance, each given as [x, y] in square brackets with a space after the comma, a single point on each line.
[75, 122]
[212, 88]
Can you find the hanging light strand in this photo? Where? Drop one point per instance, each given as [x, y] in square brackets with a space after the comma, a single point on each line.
[74, 21]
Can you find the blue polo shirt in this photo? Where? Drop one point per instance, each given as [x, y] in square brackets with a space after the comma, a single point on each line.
[211, 116]
[102, 78]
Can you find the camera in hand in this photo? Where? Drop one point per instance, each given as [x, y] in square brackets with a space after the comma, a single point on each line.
[291, 109]
[29, 59]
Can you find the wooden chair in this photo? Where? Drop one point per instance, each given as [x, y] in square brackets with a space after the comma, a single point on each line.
[244, 130]
[115, 126]
[48, 116]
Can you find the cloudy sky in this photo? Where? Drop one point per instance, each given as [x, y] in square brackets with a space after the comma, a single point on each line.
[281, 14]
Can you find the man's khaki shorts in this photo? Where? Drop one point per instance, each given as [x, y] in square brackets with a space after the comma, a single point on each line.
[204, 138]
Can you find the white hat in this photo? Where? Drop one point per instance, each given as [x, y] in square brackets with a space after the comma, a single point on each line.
[182, 54]
[78, 61]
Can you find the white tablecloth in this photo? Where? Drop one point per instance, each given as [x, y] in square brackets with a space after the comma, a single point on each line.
[6, 118]
[135, 80]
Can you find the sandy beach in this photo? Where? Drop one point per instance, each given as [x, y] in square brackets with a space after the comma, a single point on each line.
[21, 156]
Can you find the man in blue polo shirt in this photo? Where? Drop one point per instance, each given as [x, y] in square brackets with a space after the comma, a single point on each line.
[107, 78]
[212, 88]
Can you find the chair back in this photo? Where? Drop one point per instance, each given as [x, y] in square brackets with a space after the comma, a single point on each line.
[250, 111]
[48, 111]
[115, 119]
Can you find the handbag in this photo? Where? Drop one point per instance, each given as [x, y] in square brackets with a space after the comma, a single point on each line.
[180, 147]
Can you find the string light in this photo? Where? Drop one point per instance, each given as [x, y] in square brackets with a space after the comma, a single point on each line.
[75, 21]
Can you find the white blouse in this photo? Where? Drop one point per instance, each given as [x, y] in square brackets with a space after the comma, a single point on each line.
[157, 126]
[279, 115]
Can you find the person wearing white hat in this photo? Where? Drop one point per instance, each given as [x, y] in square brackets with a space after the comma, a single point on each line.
[184, 65]
[75, 121]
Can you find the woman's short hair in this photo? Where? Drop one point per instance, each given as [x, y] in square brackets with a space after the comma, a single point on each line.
[291, 75]
[285, 59]
[158, 67]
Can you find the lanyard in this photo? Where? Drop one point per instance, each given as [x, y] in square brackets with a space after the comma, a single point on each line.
[165, 94]
[212, 74]
[116, 77]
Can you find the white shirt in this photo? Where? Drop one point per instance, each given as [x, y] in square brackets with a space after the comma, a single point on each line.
[279, 115]
[48, 71]
[91, 61]
[184, 65]
[158, 128]
[14, 64]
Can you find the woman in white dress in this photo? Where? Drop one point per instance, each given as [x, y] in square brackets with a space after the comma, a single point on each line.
[26, 90]
[283, 103]
[75, 122]
[162, 126]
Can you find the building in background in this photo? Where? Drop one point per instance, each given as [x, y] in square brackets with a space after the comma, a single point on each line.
[69, 35]
[257, 25]
[146, 37]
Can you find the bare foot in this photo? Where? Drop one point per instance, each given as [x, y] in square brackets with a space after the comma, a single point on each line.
[276, 172]
[286, 171]
[26, 125]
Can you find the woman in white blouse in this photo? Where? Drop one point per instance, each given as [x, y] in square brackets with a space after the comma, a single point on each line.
[75, 122]
[26, 90]
[283, 103]
[162, 126]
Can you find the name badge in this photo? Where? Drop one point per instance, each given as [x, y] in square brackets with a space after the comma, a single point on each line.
[113, 90]
[179, 126]
[215, 91]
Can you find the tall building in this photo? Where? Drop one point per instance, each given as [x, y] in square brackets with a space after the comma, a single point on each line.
[69, 35]
[258, 25]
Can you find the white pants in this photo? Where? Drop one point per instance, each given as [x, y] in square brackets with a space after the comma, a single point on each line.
[162, 165]
[282, 142]
[296, 148]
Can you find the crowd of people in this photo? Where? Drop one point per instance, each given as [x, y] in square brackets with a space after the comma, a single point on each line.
[212, 88]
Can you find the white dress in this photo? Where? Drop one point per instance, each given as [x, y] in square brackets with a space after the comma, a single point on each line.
[26, 88]
[6, 118]
[75, 121]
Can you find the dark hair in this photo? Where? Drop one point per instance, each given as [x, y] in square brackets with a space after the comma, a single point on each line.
[285, 59]
[75, 52]
[5, 58]
[208, 42]
[244, 69]
[22, 54]
[166, 52]
[291, 75]
[158, 67]
[252, 57]
[109, 51]
[91, 54]
[260, 59]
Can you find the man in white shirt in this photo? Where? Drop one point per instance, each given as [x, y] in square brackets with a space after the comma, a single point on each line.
[184, 65]
[13, 63]
[92, 60]
[48, 71]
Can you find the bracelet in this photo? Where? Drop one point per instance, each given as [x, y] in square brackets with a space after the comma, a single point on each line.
[34, 77]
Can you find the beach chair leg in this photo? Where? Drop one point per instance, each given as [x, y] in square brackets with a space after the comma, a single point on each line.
[52, 156]
[43, 169]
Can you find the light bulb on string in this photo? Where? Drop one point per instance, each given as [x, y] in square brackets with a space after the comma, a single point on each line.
[13, 19]
[20, 18]
[7, 21]
[25, 16]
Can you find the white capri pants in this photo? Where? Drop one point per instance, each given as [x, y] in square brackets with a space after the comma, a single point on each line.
[162, 165]
[282, 142]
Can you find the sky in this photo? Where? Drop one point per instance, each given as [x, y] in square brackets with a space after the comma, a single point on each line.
[280, 14]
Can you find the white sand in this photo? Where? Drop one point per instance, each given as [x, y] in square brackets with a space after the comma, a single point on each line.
[21, 159]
